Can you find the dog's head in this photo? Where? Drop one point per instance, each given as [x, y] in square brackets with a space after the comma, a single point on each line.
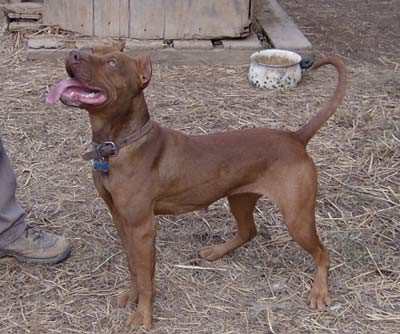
[101, 78]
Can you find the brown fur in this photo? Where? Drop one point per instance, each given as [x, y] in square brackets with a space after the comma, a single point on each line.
[168, 172]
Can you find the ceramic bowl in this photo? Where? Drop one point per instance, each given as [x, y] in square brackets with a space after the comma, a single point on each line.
[274, 68]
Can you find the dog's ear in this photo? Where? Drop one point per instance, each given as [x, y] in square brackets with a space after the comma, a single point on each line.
[119, 45]
[144, 70]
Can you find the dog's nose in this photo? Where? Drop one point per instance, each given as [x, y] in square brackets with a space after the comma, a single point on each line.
[79, 55]
[74, 56]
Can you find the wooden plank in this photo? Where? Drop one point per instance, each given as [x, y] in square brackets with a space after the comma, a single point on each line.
[45, 43]
[23, 8]
[146, 19]
[189, 19]
[24, 26]
[73, 15]
[152, 19]
[111, 18]
[280, 28]
[205, 19]
[3, 22]
[23, 16]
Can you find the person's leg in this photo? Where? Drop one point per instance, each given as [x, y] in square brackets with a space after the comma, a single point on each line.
[18, 240]
[12, 222]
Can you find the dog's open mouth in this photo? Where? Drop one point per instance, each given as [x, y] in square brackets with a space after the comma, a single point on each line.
[74, 93]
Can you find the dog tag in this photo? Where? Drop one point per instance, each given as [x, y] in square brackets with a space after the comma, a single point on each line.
[101, 165]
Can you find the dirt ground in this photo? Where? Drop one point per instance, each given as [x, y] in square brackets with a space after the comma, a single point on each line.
[262, 287]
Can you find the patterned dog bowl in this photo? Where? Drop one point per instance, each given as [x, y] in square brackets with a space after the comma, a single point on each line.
[275, 68]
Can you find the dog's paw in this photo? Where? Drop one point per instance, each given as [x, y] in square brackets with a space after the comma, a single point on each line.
[123, 299]
[319, 298]
[126, 296]
[212, 253]
[137, 319]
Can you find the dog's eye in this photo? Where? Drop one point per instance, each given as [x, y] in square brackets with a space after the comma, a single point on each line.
[112, 62]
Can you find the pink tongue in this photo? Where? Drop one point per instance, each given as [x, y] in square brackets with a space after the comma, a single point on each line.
[57, 90]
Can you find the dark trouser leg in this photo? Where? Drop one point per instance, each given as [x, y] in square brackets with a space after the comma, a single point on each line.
[12, 222]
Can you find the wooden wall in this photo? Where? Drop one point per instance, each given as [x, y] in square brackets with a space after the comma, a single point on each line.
[151, 19]
[74, 15]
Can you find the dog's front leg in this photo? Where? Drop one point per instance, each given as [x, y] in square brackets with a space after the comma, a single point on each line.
[131, 294]
[140, 247]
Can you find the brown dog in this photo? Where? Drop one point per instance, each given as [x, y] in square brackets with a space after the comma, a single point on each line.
[142, 170]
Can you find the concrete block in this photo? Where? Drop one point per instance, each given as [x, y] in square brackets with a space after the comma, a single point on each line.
[47, 54]
[95, 42]
[193, 44]
[45, 43]
[250, 42]
[137, 44]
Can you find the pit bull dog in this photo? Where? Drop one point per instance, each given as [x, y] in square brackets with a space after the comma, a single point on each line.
[142, 169]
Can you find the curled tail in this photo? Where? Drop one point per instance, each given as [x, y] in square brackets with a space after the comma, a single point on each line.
[305, 133]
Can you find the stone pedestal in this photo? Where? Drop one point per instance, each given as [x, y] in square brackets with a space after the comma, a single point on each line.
[3, 20]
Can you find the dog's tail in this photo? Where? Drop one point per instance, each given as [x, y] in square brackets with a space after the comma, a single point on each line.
[308, 130]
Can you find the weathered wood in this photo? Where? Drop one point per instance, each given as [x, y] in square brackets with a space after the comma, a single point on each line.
[111, 18]
[45, 43]
[23, 26]
[205, 19]
[23, 16]
[23, 8]
[147, 19]
[280, 28]
[152, 19]
[189, 19]
[3, 22]
[74, 15]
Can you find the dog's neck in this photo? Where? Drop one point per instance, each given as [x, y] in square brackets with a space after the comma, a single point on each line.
[120, 124]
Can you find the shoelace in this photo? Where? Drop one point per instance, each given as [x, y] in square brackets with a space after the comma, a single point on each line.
[36, 234]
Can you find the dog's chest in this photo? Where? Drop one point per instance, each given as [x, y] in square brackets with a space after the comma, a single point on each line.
[102, 182]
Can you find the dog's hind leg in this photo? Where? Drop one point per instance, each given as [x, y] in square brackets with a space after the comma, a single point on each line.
[302, 230]
[296, 197]
[242, 207]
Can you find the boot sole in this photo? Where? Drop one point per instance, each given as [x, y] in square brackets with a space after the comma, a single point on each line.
[34, 260]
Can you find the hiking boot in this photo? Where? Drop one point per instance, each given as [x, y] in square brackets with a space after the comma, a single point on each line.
[36, 246]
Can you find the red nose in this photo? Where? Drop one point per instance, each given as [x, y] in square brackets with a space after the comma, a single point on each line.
[77, 56]
[74, 57]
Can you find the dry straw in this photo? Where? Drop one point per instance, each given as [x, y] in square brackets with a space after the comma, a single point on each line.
[261, 288]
